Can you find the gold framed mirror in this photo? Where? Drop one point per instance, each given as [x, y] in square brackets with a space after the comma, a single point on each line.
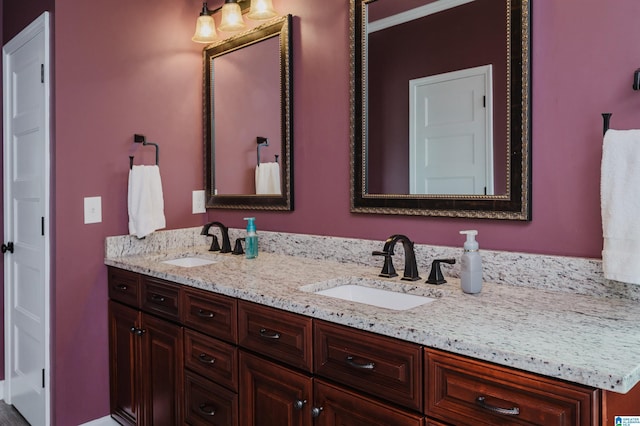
[247, 119]
[440, 103]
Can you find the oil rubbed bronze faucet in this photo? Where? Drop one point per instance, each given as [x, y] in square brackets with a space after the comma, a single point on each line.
[410, 265]
[226, 243]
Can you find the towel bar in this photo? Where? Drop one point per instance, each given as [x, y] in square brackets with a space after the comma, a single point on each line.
[606, 119]
[143, 140]
[261, 141]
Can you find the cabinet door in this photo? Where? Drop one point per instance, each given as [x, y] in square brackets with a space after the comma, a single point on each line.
[341, 407]
[272, 395]
[162, 374]
[123, 364]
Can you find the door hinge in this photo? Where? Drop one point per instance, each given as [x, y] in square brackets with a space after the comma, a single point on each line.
[484, 101]
[42, 226]
[43, 378]
[41, 73]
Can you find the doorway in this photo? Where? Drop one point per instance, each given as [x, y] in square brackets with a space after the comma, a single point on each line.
[26, 147]
[450, 133]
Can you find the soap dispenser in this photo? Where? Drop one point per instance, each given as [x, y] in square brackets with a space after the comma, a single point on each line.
[251, 240]
[471, 264]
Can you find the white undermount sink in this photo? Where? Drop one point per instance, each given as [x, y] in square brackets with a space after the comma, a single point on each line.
[189, 262]
[350, 290]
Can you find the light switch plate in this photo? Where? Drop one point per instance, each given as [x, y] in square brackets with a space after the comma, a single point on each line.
[92, 210]
[197, 202]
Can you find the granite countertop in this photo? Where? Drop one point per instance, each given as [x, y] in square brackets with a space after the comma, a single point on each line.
[587, 340]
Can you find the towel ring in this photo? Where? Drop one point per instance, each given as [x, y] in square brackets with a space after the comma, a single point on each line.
[137, 138]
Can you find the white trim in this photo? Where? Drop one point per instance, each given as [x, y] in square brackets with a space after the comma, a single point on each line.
[104, 421]
[39, 25]
[416, 13]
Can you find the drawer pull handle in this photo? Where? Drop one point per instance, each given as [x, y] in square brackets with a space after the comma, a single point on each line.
[207, 409]
[498, 410]
[206, 359]
[205, 314]
[122, 287]
[365, 366]
[269, 334]
[157, 298]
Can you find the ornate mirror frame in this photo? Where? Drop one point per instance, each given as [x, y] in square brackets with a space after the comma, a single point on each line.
[278, 27]
[515, 204]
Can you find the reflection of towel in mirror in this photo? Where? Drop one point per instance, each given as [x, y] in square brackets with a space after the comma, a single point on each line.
[268, 179]
[145, 201]
[620, 202]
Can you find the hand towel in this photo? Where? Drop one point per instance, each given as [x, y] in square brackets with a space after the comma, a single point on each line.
[620, 203]
[268, 179]
[145, 201]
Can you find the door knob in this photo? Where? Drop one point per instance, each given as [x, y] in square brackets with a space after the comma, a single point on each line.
[8, 247]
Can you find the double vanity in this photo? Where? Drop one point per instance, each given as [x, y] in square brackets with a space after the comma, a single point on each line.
[198, 337]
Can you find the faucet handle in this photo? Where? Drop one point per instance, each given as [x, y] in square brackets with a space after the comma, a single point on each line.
[388, 271]
[215, 245]
[435, 276]
[237, 248]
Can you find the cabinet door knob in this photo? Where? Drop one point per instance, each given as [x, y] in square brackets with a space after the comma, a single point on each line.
[137, 331]
[365, 366]
[207, 409]
[316, 411]
[121, 287]
[514, 411]
[267, 334]
[299, 404]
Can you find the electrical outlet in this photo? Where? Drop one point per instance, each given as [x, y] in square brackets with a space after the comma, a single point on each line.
[92, 210]
[197, 202]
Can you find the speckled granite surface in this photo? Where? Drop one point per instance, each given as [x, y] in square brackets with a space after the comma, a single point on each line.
[591, 339]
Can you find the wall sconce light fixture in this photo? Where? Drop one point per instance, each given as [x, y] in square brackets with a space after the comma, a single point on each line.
[231, 19]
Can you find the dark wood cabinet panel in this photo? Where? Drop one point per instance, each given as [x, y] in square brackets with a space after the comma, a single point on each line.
[274, 333]
[124, 379]
[211, 358]
[211, 314]
[208, 404]
[124, 286]
[161, 298]
[342, 407]
[381, 366]
[465, 391]
[162, 374]
[273, 395]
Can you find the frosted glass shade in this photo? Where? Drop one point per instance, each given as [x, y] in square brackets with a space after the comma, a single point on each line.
[231, 18]
[205, 30]
[261, 9]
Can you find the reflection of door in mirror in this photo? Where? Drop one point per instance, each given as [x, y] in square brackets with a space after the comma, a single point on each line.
[460, 38]
[246, 104]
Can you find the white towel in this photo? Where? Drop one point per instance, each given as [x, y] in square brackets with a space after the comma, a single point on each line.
[620, 199]
[268, 179]
[145, 201]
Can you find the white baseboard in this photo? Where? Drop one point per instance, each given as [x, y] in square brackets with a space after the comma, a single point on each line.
[105, 421]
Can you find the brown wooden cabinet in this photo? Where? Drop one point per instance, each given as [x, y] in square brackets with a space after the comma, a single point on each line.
[465, 391]
[180, 355]
[146, 362]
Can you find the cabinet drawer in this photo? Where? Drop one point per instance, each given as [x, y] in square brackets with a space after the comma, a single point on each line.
[161, 298]
[210, 313]
[124, 286]
[344, 407]
[277, 334]
[381, 366]
[464, 391]
[211, 358]
[207, 403]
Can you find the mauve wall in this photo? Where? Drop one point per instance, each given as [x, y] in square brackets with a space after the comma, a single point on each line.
[132, 68]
